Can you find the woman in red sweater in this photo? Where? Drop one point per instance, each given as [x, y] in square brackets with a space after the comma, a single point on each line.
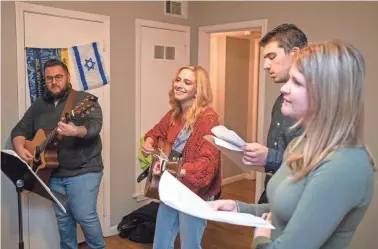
[184, 126]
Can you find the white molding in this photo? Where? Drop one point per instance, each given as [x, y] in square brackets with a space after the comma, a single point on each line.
[21, 68]
[23, 91]
[107, 135]
[204, 61]
[139, 23]
[140, 197]
[113, 230]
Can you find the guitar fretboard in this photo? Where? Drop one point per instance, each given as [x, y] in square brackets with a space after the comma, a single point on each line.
[53, 134]
[48, 139]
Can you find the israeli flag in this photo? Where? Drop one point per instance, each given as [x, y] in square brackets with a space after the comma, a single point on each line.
[87, 61]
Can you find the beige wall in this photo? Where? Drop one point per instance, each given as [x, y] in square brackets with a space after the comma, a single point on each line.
[122, 16]
[352, 21]
[236, 94]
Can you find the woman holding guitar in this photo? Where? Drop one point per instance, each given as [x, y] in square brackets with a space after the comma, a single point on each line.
[184, 126]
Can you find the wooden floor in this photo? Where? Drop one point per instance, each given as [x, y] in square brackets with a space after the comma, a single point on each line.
[217, 235]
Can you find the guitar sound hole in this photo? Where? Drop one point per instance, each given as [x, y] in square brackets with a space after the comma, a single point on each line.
[37, 157]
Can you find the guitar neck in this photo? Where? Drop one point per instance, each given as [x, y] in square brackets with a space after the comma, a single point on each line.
[53, 135]
[48, 139]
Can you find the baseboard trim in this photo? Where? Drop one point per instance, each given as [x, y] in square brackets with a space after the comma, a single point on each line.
[113, 231]
[140, 197]
[236, 178]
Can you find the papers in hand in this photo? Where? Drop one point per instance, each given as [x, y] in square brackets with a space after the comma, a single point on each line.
[231, 145]
[176, 195]
[227, 138]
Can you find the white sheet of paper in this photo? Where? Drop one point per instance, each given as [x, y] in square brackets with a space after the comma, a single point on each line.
[234, 155]
[226, 145]
[176, 195]
[13, 153]
[229, 136]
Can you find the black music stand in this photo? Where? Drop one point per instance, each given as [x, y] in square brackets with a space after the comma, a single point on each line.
[24, 178]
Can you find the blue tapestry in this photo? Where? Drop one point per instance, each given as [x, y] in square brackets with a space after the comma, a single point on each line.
[35, 59]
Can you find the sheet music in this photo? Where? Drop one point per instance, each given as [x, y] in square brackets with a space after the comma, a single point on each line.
[235, 155]
[176, 195]
[13, 153]
[228, 138]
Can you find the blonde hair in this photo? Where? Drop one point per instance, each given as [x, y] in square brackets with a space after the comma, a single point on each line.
[204, 96]
[334, 73]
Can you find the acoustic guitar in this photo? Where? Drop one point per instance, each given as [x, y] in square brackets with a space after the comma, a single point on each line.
[43, 147]
[151, 189]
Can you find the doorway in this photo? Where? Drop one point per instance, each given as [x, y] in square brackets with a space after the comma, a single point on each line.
[232, 55]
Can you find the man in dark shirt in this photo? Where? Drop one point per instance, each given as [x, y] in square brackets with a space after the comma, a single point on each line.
[79, 155]
[279, 45]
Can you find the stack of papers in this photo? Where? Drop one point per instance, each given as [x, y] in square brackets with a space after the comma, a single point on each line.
[231, 145]
[228, 138]
[176, 195]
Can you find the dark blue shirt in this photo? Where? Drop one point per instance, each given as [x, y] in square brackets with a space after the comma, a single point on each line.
[279, 136]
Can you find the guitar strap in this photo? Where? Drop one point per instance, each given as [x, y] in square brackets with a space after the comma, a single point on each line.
[67, 107]
[70, 99]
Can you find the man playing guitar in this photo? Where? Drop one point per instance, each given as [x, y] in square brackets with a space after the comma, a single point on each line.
[79, 163]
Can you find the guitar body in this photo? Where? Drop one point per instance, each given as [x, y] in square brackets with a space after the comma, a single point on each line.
[44, 146]
[151, 189]
[44, 163]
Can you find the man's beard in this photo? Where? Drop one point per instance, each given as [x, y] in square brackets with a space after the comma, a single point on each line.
[58, 95]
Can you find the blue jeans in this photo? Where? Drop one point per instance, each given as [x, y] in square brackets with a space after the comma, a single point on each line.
[81, 208]
[168, 223]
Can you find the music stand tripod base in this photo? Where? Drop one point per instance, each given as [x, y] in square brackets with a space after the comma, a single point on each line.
[24, 178]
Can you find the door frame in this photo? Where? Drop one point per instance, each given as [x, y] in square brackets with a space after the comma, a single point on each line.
[204, 33]
[23, 90]
[139, 24]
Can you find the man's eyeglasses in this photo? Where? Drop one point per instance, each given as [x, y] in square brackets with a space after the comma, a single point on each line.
[58, 78]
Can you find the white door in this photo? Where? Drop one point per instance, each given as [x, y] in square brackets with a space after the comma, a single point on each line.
[54, 28]
[163, 50]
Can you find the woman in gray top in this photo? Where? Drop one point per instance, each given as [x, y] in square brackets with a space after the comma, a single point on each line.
[320, 194]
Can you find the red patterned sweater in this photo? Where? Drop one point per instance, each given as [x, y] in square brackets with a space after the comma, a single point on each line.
[201, 160]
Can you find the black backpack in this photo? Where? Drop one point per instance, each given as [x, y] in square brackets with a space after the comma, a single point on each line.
[139, 225]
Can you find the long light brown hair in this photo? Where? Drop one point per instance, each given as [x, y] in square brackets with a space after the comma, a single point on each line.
[203, 99]
[334, 73]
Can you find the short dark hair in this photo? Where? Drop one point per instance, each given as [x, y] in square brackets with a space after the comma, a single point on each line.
[56, 62]
[288, 36]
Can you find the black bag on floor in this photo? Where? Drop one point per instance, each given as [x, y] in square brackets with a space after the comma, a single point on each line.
[139, 225]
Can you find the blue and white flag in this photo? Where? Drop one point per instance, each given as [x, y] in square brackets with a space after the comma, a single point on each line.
[87, 61]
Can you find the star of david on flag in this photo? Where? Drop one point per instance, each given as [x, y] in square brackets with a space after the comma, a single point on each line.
[87, 61]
